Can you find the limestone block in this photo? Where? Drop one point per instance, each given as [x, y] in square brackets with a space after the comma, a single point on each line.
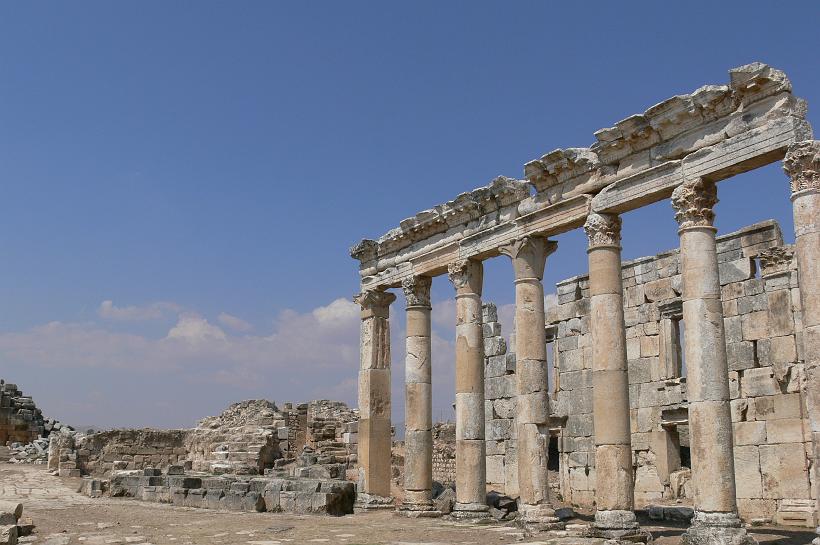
[659, 290]
[782, 349]
[491, 329]
[579, 425]
[759, 382]
[750, 433]
[777, 407]
[733, 290]
[498, 430]
[504, 408]
[579, 478]
[733, 330]
[748, 481]
[740, 355]
[495, 346]
[787, 430]
[784, 471]
[780, 319]
[730, 308]
[755, 325]
[751, 303]
[633, 348]
[736, 271]
[495, 470]
[499, 387]
[497, 366]
[649, 346]
[575, 380]
[572, 360]
[756, 508]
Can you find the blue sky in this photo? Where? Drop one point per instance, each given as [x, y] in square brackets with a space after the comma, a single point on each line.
[181, 181]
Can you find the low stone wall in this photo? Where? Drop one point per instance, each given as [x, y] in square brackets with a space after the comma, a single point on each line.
[330, 497]
[103, 452]
[444, 453]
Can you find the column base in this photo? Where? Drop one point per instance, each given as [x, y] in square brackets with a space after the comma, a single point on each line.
[471, 511]
[369, 502]
[716, 529]
[619, 524]
[418, 510]
[539, 517]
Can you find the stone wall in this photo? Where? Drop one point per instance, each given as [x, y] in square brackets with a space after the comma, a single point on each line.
[763, 334]
[103, 452]
[20, 420]
[444, 453]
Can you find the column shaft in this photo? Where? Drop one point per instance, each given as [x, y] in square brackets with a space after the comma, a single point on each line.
[802, 164]
[418, 439]
[374, 394]
[529, 256]
[610, 394]
[710, 418]
[471, 476]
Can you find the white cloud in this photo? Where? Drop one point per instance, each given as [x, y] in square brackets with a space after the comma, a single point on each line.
[155, 311]
[234, 322]
[306, 355]
[196, 329]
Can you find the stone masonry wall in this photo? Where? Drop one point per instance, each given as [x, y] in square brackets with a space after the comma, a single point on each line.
[763, 333]
[20, 420]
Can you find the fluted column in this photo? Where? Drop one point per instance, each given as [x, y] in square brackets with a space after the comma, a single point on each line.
[418, 401]
[710, 420]
[374, 397]
[471, 471]
[529, 255]
[802, 164]
[614, 516]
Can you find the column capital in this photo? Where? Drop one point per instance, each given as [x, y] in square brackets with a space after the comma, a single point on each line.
[776, 260]
[693, 201]
[374, 302]
[603, 230]
[417, 290]
[467, 276]
[529, 255]
[802, 165]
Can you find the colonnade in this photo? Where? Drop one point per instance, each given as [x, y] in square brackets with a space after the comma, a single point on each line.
[716, 519]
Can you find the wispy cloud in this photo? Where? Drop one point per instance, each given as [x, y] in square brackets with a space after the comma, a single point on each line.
[154, 311]
[234, 322]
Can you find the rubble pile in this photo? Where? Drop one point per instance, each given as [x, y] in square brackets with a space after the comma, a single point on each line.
[12, 523]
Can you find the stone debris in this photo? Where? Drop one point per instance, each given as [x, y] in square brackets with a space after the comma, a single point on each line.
[12, 523]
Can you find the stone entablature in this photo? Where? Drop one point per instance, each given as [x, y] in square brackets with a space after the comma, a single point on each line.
[715, 132]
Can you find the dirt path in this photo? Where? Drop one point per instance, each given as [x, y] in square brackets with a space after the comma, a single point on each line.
[64, 517]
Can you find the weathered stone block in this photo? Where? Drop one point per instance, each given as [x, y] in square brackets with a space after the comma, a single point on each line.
[787, 430]
[755, 325]
[747, 472]
[784, 474]
[750, 433]
[740, 355]
[759, 382]
[736, 271]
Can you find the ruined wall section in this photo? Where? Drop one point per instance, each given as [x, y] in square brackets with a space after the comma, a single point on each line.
[20, 419]
[763, 334]
[103, 452]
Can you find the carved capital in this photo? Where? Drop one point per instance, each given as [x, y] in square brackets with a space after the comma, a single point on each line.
[802, 165]
[693, 202]
[417, 290]
[529, 255]
[466, 275]
[777, 260]
[603, 229]
[374, 302]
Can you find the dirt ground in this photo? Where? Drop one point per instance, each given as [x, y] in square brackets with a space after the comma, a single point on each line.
[63, 517]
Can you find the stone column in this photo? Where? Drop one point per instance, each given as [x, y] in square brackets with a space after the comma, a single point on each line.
[471, 471]
[802, 164]
[614, 516]
[374, 399]
[710, 420]
[529, 256]
[418, 401]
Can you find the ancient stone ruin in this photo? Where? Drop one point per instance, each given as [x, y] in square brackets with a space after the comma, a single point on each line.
[746, 408]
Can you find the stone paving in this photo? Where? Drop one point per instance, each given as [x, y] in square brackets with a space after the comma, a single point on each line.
[63, 517]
